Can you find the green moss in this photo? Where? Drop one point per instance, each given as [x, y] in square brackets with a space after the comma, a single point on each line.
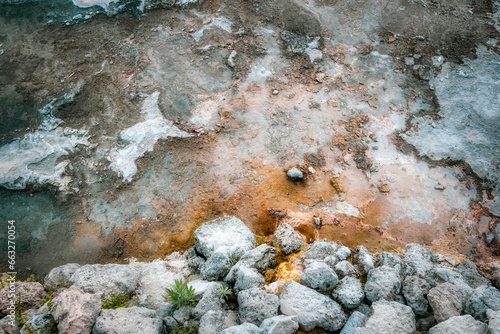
[114, 301]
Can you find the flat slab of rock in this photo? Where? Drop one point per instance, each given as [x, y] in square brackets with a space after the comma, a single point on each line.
[311, 307]
[389, 317]
[131, 320]
[460, 324]
[97, 278]
[257, 305]
[225, 231]
[287, 239]
[76, 311]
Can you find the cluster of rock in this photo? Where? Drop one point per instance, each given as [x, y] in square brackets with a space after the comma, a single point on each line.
[417, 292]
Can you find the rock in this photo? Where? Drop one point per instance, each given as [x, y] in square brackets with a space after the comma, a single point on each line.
[257, 305]
[363, 260]
[419, 258]
[343, 253]
[446, 301]
[99, 279]
[443, 274]
[459, 324]
[311, 307]
[349, 293]
[287, 239]
[225, 231]
[244, 328]
[131, 320]
[331, 261]
[43, 323]
[319, 276]
[182, 314]
[295, 174]
[317, 220]
[493, 321]
[415, 290]
[276, 92]
[29, 295]
[155, 277]
[356, 320]
[60, 277]
[393, 261]
[218, 264]
[248, 278]
[389, 317]
[424, 324]
[471, 275]
[169, 322]
[345, 268]
[382, 283]
[75, 311]
[164, 310]
[259, 258]
[8, 326]
[214, 322]
[481, 299]
[195, 260]
[199, 286]
[319, 250]
[211, 301]
[493, 270]
[280, 324]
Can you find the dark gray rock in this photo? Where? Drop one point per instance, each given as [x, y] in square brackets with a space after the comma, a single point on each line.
[460, 324]
[244, 328]
[345, 268]
[356, 320]
[349, 293]
[218, 264]
[363, 260]
[446, 301]
[424, 324]
[214, 322]
[257, 305]
[415, 290]
[195, 260]
[248, 278]
[131, 320]
[443, 274]
[480, 300]
[418, 258]
[394, 261]
[43, 323]
[183, 313]
[211, 301]
[472, 275]
[287, 239]
[319, 276]
[382, 283]
[311, 307]
[389, 317]
[280, 324]
[259, 258]
[225, 231]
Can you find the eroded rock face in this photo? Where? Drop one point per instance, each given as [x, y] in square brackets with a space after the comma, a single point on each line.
[382, 283]
[256, 305]
[287, 239]
[459, 324]
[76, 311]
[99, 279]
[311, 308]
[389, 317]
[211, 301]
[415, 290]
[130, 320]
[29, 295]
[446, 301]
[349, 293]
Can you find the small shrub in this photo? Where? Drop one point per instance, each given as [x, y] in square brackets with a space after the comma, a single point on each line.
[224, 292]
[233, 260]
[181, 294]
[114, 301]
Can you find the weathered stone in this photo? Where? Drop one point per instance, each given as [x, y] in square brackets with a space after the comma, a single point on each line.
[459, 324]
[356, 320]
[257, 305]
[225, 231]
[43, 323]
[319, 250]
[493, 321]
[199, 286]
[419, 258]
[244, 328]
[345, 268]
[389, 317]
[319, 276]
[75, 311]
[60, 276]
[280, 324]
[471, 275]
[415, 290]
[481, 299]
[287, 239]
[259, 258]
[214, 322]
[349, 293]
[393, 261]
[311, 307]
[343, 253]
[363, 260]
[211, 301]
[218, 264]
[102, 279]
[295, 174]
[8, 326]
[443, 274]
[382, 283]
[183, 313]
[131, 320]
[195, 260]
[446, 301]
[248, 278]
[28, 295]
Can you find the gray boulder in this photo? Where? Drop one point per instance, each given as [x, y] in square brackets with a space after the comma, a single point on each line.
[311, 307]
[244, 328]
[459, 324]
[389, 317]
[287, 239]
[60, 276]
[199, 286]
[319, 250]
[182, 314]
[471, 275]
[345, 268]
[102, 279]
[363, 260]
[356, 320]
[319, 276]
[75, 311]
[443, 274]
[218, 264]
[349, 293]
[29, 295]
[248, 278]
[257, 305]
[446, 301]
[43, 323]
[195, 260]
[131, 320]
[259, 258]
[280, 324]
[394, 261]
[7, 326]
[211, 301]
[382, 283]
[343, 253]
[493, 321]
[418, 258]
[214, 322]
[481, 299]
[415, 290]
[225, 231]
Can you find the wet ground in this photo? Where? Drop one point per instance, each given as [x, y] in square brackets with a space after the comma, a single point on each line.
[121, 135]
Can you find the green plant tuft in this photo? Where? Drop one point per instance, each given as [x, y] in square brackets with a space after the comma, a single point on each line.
[182, 329]
[224, 291]
[181, 294]
[115, 301]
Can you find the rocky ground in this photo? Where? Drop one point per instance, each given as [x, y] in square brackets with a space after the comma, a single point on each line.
[286, 287]
[126, 125]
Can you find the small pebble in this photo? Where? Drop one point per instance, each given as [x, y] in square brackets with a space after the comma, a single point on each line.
[295, 173]
[311, 170]
[317, 221]
[439, 186]
[276, 92]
